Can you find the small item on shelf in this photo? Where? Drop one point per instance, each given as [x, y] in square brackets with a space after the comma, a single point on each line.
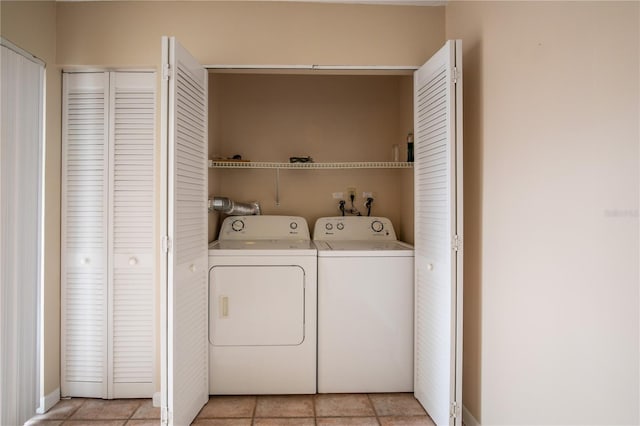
[395, 153]
[300, 159]
[235, 159]
[410, 147]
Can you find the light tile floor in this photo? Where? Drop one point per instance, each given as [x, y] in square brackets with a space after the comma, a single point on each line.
[390, 409]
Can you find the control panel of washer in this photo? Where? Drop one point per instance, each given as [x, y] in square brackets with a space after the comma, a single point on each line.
[353, 228]
[264, 228]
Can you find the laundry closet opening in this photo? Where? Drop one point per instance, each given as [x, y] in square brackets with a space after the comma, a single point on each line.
[332, 116]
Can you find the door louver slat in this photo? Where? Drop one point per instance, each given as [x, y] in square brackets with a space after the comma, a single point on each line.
[189, 189]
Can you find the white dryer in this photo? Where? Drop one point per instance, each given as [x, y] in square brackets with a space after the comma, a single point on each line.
[262, 307]
[365, 306]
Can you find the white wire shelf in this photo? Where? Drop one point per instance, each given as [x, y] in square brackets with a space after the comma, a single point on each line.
[313, 166]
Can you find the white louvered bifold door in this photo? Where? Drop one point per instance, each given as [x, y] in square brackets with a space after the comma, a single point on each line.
[84, 234]
[438, 235]
[131, 235]
[185, 346]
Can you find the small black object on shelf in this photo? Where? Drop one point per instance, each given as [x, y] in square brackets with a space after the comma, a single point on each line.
[300, 160]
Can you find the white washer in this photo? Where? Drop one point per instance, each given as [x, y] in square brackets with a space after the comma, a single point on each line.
[365, 306]
[262, 307]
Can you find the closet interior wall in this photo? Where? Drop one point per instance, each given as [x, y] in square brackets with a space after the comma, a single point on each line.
[331, 118]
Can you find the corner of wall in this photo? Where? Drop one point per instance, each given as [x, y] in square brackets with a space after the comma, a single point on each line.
[462, 21]
[48, 401]
[468, 419]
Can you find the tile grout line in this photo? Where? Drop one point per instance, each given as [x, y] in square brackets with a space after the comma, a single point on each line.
[375, 412]
[84, 400]
[253, 413]
[134, 411]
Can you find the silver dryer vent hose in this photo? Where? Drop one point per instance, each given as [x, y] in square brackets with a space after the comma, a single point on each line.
[232, 208]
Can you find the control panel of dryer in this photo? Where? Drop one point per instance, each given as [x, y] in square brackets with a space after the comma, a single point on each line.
[354, 228]
[264, 227]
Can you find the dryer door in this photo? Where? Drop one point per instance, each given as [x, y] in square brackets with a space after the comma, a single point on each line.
[256, 305]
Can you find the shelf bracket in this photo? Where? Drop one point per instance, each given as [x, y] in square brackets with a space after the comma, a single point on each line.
[277, 187]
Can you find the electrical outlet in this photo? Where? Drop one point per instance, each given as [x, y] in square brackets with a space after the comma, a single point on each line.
[338, 195]
[351, 192]
[366, 195]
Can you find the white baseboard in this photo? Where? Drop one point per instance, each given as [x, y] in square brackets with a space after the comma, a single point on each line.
[156, 399]
[467, 417]
[48, 401]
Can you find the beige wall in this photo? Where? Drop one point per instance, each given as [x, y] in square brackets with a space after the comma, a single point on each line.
[218, 32]
[32, 26]
[332, 118]
[551, 198]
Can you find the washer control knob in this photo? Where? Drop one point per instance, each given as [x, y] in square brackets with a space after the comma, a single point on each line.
[340, 226]
[237, 225]
[377, 226]
[328, 227]
[293, 225]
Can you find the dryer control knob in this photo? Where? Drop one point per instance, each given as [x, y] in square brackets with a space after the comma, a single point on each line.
[377, 226]
[237, 225]
[328, 227]
[340, 226]
[293, 225]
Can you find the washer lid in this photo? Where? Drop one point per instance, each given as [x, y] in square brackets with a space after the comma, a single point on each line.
[362, 248]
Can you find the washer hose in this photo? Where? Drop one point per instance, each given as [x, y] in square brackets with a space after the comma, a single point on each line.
[368, 205]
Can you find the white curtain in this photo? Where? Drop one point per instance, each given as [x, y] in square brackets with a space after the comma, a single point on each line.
[21, 147]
